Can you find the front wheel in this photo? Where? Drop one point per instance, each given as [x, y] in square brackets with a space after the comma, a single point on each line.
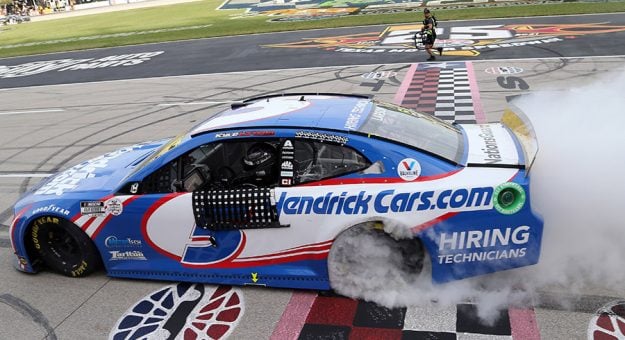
[365, 261]
[64, 247]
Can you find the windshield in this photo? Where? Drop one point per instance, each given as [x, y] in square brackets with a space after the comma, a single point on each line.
[172, 143]
[415, 129]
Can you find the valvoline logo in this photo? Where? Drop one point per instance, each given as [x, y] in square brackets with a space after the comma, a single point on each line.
[409, 169]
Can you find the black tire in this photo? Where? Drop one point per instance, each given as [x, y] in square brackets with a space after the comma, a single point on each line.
[64, 247]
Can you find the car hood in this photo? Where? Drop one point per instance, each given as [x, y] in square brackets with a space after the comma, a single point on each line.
[491, 145]
[102, 174]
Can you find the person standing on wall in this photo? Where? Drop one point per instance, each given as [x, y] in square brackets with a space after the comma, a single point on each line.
[429, 30]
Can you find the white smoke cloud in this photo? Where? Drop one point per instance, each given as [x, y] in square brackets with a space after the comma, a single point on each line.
[577, 186]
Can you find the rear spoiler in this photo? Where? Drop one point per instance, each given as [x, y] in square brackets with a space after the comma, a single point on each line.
[520, 125]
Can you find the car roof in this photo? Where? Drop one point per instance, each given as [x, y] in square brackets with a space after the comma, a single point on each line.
[322, 111]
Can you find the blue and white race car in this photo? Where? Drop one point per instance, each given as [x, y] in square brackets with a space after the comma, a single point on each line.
[258, 194]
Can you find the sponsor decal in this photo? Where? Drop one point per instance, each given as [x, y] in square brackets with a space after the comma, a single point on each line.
[62, 65]
[409, 169]
[353, 119]
[490, 149]
[509, 198]
[378, 114]
[286, 173]
[263, 133]
[506, 70]
[254, 277]
[456, 40]
[324, 137]
[114, 242]
[92, 208]
[182, 311]
[127, 255]
[51, 208]
[287, 165]
[70, 178]
[113, 206]
[477, 245]
[385, 201]
[608, 322]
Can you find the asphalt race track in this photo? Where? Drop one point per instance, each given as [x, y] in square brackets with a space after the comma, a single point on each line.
[544, 37]
[60, 109]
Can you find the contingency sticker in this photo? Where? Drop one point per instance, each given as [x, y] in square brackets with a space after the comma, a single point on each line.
[286, 169]
[92, 208]
[409, 169]
[113, 206]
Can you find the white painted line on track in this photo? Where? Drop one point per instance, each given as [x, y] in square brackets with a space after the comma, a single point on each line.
[196, 103]
[6, 113]
[24, 175]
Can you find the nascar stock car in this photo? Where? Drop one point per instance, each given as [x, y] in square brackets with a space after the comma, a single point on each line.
[258, 194]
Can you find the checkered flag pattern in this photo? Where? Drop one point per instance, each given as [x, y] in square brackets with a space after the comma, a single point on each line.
[453, 98]
[234, 209]
[334, 317]
[421, 95]
[442, 90]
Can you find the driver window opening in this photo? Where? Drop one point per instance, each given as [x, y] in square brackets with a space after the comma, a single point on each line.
[215, 166]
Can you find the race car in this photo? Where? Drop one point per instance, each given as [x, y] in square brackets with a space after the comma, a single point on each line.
[259, 193]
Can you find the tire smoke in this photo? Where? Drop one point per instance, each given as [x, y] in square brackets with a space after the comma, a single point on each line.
[576, 185]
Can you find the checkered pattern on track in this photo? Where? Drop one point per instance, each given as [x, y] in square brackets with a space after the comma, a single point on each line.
[442, 90]
[334, 317]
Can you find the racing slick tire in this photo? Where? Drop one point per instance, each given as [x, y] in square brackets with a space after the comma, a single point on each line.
[63, 247]
[364, 258]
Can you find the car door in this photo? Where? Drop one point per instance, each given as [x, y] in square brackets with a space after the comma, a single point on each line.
[196, 206]
[251, 212]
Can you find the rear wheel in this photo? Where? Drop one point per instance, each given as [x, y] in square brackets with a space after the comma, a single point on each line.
[64, 247]
[365, 260]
